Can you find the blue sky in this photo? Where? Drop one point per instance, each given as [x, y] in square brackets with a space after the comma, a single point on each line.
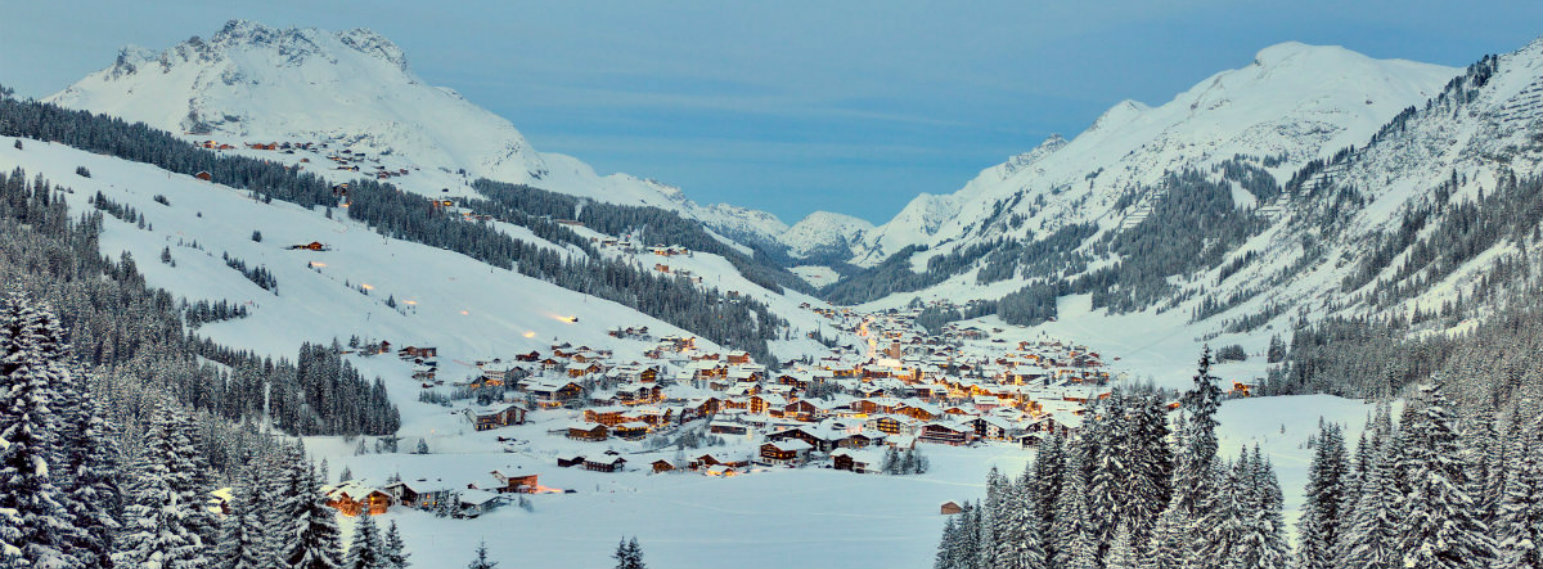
[793, 106]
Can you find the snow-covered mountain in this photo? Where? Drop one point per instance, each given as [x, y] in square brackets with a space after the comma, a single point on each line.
[825, 233]
[1313, 183]
[249, 83]
[1292, 103]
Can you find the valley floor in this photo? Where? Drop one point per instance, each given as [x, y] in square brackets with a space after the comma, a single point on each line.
[767, 518]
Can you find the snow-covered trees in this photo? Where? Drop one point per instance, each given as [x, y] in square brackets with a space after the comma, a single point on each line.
[1439, 527]
[481, 561]
[629, 555]
[316, 542]
[36, 528]
[1110, 498]
[1322, 512]
[395, 553]
[241, 544]
[159, 527]
[367, 551]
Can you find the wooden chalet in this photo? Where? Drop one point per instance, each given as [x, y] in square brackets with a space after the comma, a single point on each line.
[950, 508]
[861, 462]
[592, 433]
[944, 433]
[520, 483]
[608, 464]
[495, 416]
[815, 441]
[473, 503]
[789, 452]
[420, 494]
[553, 394]
[413, 352]
[633, 430]
[727, 428]
[351, 499]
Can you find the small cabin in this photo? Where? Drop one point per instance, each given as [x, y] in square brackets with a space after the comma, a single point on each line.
[950, 508]
[204, 175]
[612, 464]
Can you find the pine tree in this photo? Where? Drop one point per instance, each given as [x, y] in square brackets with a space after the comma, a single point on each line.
[1193, 472]
[1261, 541]
[317, 543]
[157, 529]
[629, 555]
[1369, 540]
[367, 550]
[1519, 516]
[1122, 553]
[395, 550]
[95, 500]
[481, 561]
[241, 544]
[1017, 528]
[37, 526]
[1049, 472]
[996, 490]
[1440, 526]
[1072, 531]
[1318, 529]
[1169, 544]
[947, 545]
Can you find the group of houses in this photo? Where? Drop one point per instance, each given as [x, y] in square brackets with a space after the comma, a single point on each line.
[468, 500]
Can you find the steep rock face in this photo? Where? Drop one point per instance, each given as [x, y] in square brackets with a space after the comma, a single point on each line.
[355, 91]
[1292, 104]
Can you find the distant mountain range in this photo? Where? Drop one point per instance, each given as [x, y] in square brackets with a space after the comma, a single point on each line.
[1301, 181]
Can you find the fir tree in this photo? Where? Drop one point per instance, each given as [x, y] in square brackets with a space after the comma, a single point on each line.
[1519, 519]
[95, 500]
[1440, 527]
[947, 545]
[1017, 529]
[481, 560]
[1075, 545]
[395, 553]
[1169, 544]
[37, 525]
[1049, 471]
[157, 529]
[317, 543]
[629, 555]
[241, 544]
[367, 550]
[1261, 541]
[1369, 540]
[1318, 529]
[1122, 553]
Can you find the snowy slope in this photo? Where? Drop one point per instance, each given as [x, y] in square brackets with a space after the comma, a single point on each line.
[249, 83]
[1294, 101]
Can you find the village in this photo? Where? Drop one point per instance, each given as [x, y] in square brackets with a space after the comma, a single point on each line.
[870, 406]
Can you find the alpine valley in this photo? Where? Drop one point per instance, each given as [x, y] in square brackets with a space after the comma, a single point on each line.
[274, 301]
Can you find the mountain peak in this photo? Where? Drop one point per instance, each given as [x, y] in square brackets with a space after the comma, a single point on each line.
[1286, 53]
